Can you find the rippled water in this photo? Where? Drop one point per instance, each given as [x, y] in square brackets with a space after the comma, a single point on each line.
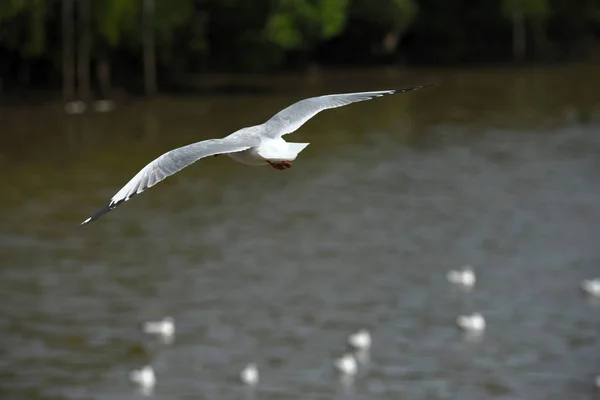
[497, 169]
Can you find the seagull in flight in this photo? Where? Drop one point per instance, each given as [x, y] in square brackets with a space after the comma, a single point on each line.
[255, 145]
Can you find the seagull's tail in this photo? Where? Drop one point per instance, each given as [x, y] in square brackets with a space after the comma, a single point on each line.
[288, 153]
[295, 148]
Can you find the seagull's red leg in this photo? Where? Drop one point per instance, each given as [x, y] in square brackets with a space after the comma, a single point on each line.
[278, 165]
[286, 164]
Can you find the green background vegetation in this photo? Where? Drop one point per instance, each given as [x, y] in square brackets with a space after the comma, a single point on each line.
[46, 42]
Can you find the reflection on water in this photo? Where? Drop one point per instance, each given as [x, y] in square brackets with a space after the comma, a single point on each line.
[496, 169]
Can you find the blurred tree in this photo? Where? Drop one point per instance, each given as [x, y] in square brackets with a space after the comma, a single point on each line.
[149, 49]
[519, 11]
[151, 25]
[83, 50]
[575, 29]
[22, 29]
[297, 24]
[300, 24]
[171, 19]
[22, 26]
[513, 9]
[36, 45]
[171, 36]
[538, 11]
[112, 20]
[391, 17]
[68, 72]
[235, 31]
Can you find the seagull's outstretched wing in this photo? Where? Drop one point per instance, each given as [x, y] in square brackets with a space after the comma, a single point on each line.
[293, 117]
[172, 162]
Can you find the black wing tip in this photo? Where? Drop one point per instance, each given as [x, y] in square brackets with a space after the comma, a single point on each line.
[99, 213]
[110, 206]
[409, 89]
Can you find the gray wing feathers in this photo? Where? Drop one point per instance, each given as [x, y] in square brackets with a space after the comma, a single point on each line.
[168, 164]
[293, 117]
[172, 162]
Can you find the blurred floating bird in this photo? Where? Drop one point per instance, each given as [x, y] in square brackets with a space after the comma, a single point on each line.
[164, 328]
[249, 375]
[464, 277]
[360, 340]
[591, 286]
[143, 377]
[471, 323]
[346, 365]
[75, 107]
[256, 145]
[597, 382]
[103, 106]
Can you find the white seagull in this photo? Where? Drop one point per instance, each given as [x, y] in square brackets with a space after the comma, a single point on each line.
[346, 365]
[144, 377]
[591, 286]
[471, 323]
[164, 328]
[256, 145]
[360, 340]
[249, 375]
[464, 277]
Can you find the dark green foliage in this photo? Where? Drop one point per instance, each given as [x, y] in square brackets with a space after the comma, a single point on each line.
[266, 35]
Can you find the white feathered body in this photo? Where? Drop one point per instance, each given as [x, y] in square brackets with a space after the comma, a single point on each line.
[346, 365]
[144, 377]
[471, 323]
[249, 375]
[591, 287]
[360, 340]
[465, 277]
[274, 150]
[165, 328]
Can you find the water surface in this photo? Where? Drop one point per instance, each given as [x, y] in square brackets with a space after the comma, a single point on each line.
[497, 169]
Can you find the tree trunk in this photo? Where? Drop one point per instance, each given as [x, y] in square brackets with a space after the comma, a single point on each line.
[25, 73]
[540, 36]
[391, 39]
[149, 50]
[83, 53]
[519, 38]
[103, 75]
[67, 50]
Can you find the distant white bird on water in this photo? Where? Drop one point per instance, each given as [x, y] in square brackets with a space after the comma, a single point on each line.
[464, 277]
[471, 323]
[103, 106]
[75, 107]
[346, 365]
[360, 340]
[144, 377]
[249, 375]
[256, 145]
[591, 286]
[164, 328]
